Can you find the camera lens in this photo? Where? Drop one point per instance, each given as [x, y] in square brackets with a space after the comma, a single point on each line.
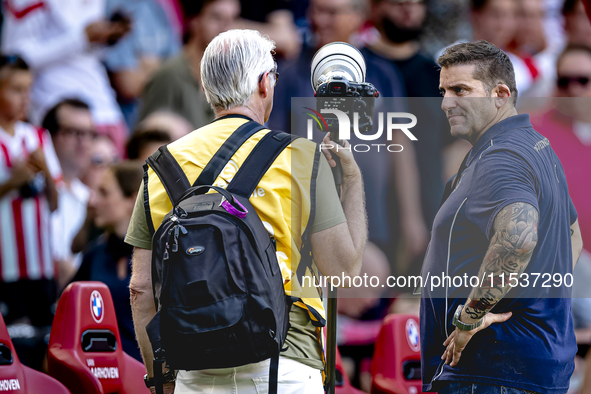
[337, 60]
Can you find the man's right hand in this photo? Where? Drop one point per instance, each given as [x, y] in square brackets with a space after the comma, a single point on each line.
[105, 32]
[350, 167]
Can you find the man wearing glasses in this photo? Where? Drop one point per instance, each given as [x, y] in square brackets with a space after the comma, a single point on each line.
[72, 132]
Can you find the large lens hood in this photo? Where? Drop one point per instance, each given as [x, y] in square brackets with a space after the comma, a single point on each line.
[337, 59]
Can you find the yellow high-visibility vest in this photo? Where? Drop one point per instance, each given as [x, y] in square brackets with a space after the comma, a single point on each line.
[283, 199]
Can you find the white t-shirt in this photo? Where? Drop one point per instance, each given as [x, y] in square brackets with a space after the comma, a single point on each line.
[67, 220]
[25, 250]
[50, 36]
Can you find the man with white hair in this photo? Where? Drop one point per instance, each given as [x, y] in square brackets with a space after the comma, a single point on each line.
[294, 198]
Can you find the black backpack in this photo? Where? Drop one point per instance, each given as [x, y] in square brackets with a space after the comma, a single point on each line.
[217, 285]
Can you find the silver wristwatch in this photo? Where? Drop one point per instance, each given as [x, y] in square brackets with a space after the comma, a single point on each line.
[463, 326]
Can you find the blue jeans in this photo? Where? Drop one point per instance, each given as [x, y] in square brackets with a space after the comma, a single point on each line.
[478, 388]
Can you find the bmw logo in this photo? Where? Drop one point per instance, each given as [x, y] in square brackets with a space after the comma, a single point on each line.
[97, 307]
[412, 334]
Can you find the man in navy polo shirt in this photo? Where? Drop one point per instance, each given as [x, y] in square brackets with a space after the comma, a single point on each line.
[507, 223]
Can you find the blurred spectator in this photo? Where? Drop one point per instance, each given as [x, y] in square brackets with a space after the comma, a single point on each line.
[340, 20]
[108, 259]
[59, 41]
[72, 131]
[568, 127]
[175, 125]
[576, 23]
[134, 59]
[143, 143]
[401, 24]
[529, 36]
[175, 86]
[273, 18]
[102, 154]
[496, 22]
[28, 167]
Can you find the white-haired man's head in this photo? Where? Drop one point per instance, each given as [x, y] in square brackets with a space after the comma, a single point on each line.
[238, 70]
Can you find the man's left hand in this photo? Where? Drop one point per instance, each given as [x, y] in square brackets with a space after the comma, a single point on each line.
[458, 339]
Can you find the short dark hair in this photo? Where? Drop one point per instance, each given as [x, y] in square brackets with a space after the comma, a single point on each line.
[569, 7]
[129, 175]
[142, 138]
[192, 9]
[493, 66]
[13, 62]
[573, 48]
[478, 5]
[50, 122]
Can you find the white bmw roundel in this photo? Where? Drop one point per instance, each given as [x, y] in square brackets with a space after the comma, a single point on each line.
[412, 335]
[97, 307]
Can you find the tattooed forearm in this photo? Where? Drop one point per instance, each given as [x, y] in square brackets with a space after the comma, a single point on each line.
[509, 252]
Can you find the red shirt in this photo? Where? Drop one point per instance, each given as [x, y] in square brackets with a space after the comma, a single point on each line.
[576, 161]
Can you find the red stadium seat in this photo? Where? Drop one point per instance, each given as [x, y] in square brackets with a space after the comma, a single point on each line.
[85, 350]
[343, 385]
[15, 377]
[396, 365]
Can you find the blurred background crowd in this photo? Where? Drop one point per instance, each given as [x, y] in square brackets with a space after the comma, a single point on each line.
[90, 88]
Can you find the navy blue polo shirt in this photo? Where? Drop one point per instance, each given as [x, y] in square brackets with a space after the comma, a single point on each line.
[535, 349]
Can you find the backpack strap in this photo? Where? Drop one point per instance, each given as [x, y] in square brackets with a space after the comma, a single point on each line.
[171, 174]
[258, 162]
[175, 180]
[226, 151]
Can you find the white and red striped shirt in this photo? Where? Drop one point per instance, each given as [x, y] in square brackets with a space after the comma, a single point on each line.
[25, 249]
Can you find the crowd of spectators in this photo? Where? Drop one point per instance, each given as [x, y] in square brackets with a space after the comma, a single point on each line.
[90, 88]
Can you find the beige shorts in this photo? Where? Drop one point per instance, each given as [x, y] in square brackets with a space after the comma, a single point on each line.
[294, 377]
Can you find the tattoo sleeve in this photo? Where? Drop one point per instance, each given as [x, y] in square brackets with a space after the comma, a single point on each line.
[510, 250]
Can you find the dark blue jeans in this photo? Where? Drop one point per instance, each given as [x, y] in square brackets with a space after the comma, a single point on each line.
[478, 388]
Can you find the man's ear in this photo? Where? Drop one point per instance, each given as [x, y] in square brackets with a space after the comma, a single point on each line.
[264, 85]
[501, 94]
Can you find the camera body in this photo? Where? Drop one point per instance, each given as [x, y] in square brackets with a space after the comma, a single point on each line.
[338, 80]
[350, 98]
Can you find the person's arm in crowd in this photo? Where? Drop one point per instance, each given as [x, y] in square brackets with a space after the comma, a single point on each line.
[20, 174]
[39, 51]
[576, 241]
[408, 192]
[130, 82]
[339, 249]
[509, 252]
[38, 162]
[280, 28]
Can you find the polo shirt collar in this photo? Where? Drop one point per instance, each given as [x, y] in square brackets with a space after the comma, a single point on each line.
[512, 122]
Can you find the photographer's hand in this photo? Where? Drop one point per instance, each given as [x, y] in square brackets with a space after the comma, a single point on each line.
[350, 167]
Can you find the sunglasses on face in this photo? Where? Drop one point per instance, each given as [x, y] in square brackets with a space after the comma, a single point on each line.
[565, 82]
